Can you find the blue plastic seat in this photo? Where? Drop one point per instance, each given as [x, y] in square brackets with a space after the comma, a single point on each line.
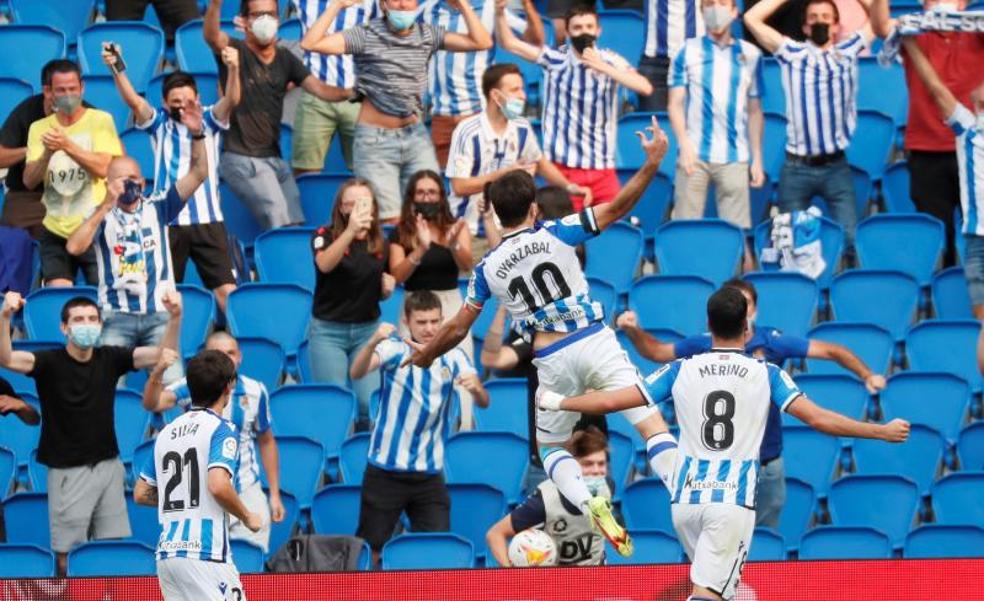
[25, 518]
[294, 406]
[319, 192]
[624, 33]
[26, 561]
[773, 94]
[238, 219]
[280, 532]
[67, 16]
[143, 48]
[507, 411]
[12, 93]
[708, 248]
[871, 343]
[428, 551]
[145, 450]
[621, 455]
[112, 558]
[873, 81]
[887, 299]
[45, 304]
[895, 189]
[145, 526]
[945, 346]
[831, 242]
[970, 447]
[196, 318]
[786, 300]
[263, 360]
[810, 456]
[957, 498]
[474, 509]
[878, 237]
[647, 366]
[391, 309]
[651, 546]
[839, 542]
[306, 460]
[798, 512]
[675, 302]
[767, 545]
[283, 256]
[773, 153]
[191, 50]
[950, 296]
[137, 145]
[45, 44]
[248, 313]
[936, 400]
[654, 205]
[37, 473]
[603, 292]
[940, 541]
[20, 383]
[918, 458]
[101, 92]
[466, 460]
[871, 143]
[19, 437]
[206, 83]
[247, 556]
[353, 458]
[843, 394]
[8, 471]
[132, 422]
[646, 505]
[886, 503]
[614, 256]
[628, 152]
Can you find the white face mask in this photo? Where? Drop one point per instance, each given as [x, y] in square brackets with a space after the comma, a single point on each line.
[597, 486]
[717, 17]
[265, 28]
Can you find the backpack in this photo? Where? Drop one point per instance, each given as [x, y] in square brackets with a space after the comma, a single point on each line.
[320, 553]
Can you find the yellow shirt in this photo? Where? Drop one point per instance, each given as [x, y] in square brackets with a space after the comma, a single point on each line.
[70, 191]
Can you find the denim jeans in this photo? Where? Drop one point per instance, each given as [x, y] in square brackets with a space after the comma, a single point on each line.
[974, 267]
[388, 157]
[137, 329]
[770, 494]
[655, 69]
[799, 183]
[333, 346]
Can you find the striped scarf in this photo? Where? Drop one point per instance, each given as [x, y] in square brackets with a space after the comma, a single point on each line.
[933, 20]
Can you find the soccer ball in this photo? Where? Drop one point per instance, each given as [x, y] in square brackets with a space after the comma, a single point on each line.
[532, 548]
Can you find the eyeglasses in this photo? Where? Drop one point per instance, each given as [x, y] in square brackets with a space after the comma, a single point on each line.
[266, 13]
[419, 192]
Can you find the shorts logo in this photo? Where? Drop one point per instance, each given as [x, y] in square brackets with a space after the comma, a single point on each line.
[229, 448]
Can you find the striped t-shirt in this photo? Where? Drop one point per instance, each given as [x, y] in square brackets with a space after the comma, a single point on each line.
[970, 159]
[334, 70]
[391, 70]
[669, 23]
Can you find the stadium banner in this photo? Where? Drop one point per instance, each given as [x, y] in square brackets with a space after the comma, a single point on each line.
[916, 580]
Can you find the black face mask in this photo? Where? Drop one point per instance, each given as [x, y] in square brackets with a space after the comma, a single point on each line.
[585, 40]
[175, 113]
[428, 210]
[820, 33]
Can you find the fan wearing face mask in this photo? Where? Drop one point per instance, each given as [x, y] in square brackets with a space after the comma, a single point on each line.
[820, 78]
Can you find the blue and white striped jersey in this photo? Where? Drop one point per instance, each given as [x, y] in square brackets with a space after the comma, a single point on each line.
[580, 109]
[171, 142]
[193, 524]
[536, 275]
[719, 80]
[335, 70]
[722, 405]
[249, 413]
[669, 23]
[821, 88]
[970, 157]
[414, 409]
[133, 255]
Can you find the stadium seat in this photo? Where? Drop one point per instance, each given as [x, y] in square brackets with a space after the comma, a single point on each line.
[939, 541]
[871, 143]
[651, 546]
[797, 514]
[887, 299]
[946, 346]
[391, 308]
[843, 394]
[304, 363]
[132, 422]
[675, 302]
[263, 360]
[895, 189]
[306, 460]
[786, 300]
[318, 195]
[466, 460]
[283, 256]
[918, 458]
[908, 394]
[507, 411]
[624, 33]
[628, 152]
[145, 450]
[810, 456]
[142, 44]
[19, 437]
[25, 518]
[831, 241]
[45, 43]
[37, 474]
[45, 304]
[603, 292]
[773, 153]
[12, 93]
[614, 256]
[112, 558]
[248, 313]
[970, 447]
[353, 458]
[957, 499]
[872, 344]
[280, 532]
[951, 300]
[427, 551]
[247, 556]
[886, 503]
[654, 205]
[238, 219]
[191, 50]
[773, 96]
[621, 454]
[20, 383]
[293, 407]
[206, 83]
[839, 542]
[878, 245]
[144, 524]
[873, 81]
[136, 144]
[67, 16]
[474, 508]
[286, 141]
[647, 366]
[8, 471]
[196, 318]
[101, 92]
[767, 545]
[708, 248]
[26, 561]
[646, 505]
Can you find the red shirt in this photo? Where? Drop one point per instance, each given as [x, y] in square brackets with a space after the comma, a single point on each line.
[957, 58]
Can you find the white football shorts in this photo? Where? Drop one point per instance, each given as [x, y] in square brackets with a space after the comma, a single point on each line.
[716, 537]
[185, 579]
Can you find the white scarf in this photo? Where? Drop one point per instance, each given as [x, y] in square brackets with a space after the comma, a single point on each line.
[933, 20]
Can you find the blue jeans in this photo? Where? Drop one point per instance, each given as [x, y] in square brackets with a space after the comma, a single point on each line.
[770, 494]
[974, 267]
[799, 183]
[333, 346]
[388, 157]
[137, 329]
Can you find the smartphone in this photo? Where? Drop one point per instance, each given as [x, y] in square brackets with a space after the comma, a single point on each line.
[118, 66]
[364, 205]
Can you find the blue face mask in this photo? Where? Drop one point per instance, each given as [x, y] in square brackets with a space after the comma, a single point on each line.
[401, 19]
[513, 108]
[84, 335]
[597, 486]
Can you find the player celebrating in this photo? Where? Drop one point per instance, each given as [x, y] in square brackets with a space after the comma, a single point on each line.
[193, 558]
[722, 401]
[535, 273]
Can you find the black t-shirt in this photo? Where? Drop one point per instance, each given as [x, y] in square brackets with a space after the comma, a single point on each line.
[77, 426]
[254, 127]
[437, 269]
[351, 292]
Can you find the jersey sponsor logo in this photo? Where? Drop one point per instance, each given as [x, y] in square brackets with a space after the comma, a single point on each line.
[577, 550]
[651, 378]
[787, 380]
[229, 448]
[573, 315]
[692, 484]
[180, 545]
[527, 250]
[572, 219]
[559, 526]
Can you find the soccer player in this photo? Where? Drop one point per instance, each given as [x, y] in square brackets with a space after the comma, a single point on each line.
[722, 403]
[195, 458]
[535, 273]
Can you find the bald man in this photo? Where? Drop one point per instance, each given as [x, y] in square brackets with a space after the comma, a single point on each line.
[128, 232]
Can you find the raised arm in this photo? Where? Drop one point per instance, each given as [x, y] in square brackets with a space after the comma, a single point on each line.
[648, 345]
[81, 239]
[534, 33]
[366, 360]
[214, 36]
[191, 117]
[835, 424]
[476, 39]
[942, 95]
[755, 18]
[21, 362]
[880, 18]
[508, 39]
[155, 397]
[317, 39]
[819, 349]
[624, 74]
[451, 333]
[140, 107]
[147, 356]
[222, 109]
[629, 195]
